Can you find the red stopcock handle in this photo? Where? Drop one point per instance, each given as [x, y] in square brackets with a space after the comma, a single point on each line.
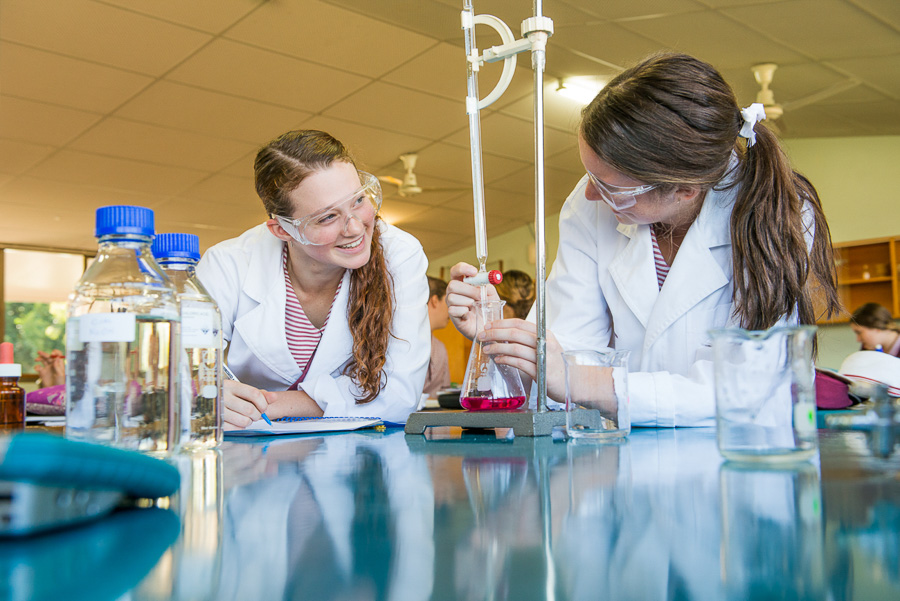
[485, 277]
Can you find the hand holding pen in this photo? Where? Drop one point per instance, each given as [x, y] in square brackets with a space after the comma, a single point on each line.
[236, 407]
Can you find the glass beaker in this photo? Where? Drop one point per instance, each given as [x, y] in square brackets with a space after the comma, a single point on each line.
[765, 393]
[489, 385]
[595, 410]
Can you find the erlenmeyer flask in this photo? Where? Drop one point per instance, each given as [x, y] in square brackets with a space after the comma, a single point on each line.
[489, 385]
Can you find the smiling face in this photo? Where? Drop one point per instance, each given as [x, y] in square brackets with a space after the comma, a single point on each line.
[351, 248]
[673, 208]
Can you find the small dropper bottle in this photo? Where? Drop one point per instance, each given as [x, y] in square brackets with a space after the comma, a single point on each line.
[12, 396]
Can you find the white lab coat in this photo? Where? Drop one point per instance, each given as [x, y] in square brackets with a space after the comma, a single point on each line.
[602, 292]
[245, 277]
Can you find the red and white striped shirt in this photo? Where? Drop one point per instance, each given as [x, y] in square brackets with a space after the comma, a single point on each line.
[302, 336]
[662, 268]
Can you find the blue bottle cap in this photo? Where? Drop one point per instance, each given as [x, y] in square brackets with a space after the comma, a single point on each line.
[168, 246]
[124, 219]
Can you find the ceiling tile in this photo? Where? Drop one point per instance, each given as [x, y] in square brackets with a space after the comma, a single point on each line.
[211, 16]
[330, 36]
[42, 123]
[227, 190]
[513, 137]
[881, 72]
[625, 11]
[54, 79]
[100, 33]
[397, 212]
[371, 147]
[399, 109]
[160, 145]
[609, 42]
[569, 160]
[113, 174]
[455, 163]
[191, 109]
[17, 157]
[459, 223]
[256, 74]
[713, 38]
[879, 117]
[560, 112]
[886, 10]
[429, 72]
[174, 215]
[63, 228]
[830, 28]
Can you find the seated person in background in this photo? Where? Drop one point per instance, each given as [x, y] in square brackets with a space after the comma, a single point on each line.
[322, 305]
[875, 329]
[438, 375]
[517, 289]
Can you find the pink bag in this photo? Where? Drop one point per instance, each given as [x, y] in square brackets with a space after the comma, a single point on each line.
[47, 401]
[833, 391]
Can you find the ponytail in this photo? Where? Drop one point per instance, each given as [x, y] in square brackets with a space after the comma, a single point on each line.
[773, 270]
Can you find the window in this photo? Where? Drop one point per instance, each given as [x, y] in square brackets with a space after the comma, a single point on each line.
[36, 286]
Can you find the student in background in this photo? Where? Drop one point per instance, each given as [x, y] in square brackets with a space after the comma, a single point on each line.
[517, 289]
[438, 376]
[323, 305]
[875, 329]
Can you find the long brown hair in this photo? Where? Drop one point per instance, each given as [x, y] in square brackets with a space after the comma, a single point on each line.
[672, 120]
[279, 168]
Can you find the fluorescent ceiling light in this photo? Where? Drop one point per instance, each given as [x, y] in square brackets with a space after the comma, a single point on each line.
[580, 89]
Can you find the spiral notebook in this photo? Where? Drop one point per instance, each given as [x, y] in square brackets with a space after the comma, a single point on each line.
[305, 425]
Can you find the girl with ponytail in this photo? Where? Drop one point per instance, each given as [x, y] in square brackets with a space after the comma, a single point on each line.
[689, 218]
[312, 299]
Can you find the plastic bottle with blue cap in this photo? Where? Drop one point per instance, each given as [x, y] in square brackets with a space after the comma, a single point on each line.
[123, 341]
[201, 339]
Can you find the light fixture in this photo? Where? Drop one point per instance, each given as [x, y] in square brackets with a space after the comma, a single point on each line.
[580, 89]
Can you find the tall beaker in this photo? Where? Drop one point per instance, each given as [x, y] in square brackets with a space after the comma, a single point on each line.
[765, 394]
[489, 385]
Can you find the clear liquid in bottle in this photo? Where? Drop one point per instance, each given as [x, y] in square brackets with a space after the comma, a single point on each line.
[201, 338]
[123, 341]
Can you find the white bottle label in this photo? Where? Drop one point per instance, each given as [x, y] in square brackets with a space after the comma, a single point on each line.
[198, 326]
[106, 327]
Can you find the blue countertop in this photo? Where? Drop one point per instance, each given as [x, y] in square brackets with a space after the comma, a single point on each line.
[459, 515]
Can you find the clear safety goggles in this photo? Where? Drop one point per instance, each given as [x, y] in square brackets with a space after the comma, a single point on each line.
[327, 225]
[619, 197]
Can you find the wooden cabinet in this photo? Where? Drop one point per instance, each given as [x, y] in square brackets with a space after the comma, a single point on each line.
[868, 272]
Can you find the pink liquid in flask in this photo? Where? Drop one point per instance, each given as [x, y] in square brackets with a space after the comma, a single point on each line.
[487, 403]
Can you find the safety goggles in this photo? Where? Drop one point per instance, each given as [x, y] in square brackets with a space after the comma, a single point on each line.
[327, 225]
[619, 197]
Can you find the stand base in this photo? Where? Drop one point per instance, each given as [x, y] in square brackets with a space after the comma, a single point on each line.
[523, 423]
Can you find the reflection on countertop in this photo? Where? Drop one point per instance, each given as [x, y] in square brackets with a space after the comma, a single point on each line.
[484, 515]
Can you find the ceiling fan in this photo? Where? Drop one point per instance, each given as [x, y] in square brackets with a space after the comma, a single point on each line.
[764, 73]
[409, 185]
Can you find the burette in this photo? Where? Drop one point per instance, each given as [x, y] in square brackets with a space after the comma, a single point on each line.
[535, 31]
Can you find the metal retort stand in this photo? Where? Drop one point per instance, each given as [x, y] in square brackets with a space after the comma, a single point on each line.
[535, 32]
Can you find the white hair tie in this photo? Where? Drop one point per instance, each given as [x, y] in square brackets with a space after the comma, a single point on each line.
[752, 115]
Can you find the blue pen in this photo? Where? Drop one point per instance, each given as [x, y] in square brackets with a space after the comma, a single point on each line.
[230, 375]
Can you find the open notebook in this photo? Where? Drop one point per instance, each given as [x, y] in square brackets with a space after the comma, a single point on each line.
[305, 425]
